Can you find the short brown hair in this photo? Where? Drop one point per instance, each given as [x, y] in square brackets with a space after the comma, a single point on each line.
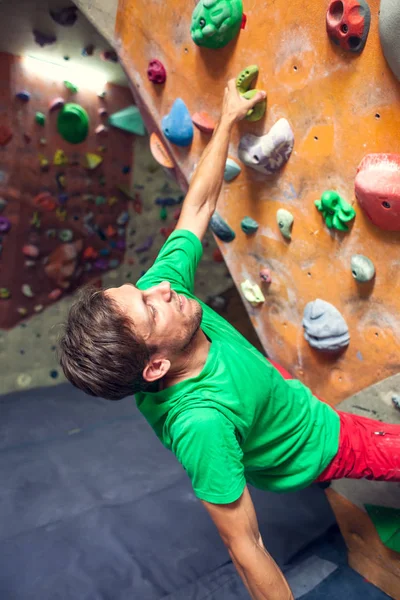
[99, 351]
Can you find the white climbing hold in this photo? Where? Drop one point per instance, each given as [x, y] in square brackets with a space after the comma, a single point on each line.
[269, 152]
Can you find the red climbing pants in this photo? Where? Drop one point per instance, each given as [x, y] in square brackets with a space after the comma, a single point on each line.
[367, 449]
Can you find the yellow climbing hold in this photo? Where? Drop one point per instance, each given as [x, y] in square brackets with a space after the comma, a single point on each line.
[252, 292]
[60, 158]
[61, 214]
[93, 160]
[35, 221]
[113, 200]
[43, 161]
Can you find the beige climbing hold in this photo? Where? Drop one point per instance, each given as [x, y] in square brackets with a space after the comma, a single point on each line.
[38, 308]
[252, 292]
[24, 380]
[92, 160]
[27, 290]
[22, 311]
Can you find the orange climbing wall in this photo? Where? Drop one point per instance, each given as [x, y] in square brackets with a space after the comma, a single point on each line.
[341, 107]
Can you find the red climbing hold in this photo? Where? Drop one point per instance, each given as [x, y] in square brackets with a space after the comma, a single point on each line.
[377, 189]
[166, 231]
[204, 122]
[244, 21]
[90, 253]
[217, 256]
[156, 71]
[45, 201]
[5, 135]
[347, 23]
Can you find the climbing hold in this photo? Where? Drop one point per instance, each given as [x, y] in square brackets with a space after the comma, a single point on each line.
[101, 263]
[159, 152]
[221, 229]
[105, 252]
[269, 152]
[335, 210]
[111, 231]
[244, 81]
[109, 55]
[123, 218]
[66, 235]
[156, 71]
[6, 135]
[3, 203]
[129, 119]
[43, 141]
[138, 204]
[51, 233]
[252, 292]
[204, 122]
[177, 214]
[60, 158]
[62, 263]
[111, 201]
[102, 94]
[30, 250]
[27, 290]
[163, 213]
[43, 39]
[55, 294]
[377, 188]
[66, 16]
[61, 181]
[389, 24]
[73, 123]
[265, 275]
[347, 23]
[56, 103]
[44, 163]
[100, 200]
[45, 201]
[121, 245]
[22, 311]
[114, 263]
[362, 268]
[217, 255]
[92, 161]
[249, 225]
[126, 169]
[324, 327]
[38, 308]
[71, 87]
[396, 401]
[177, 126]
[5, 225]
[146, 245]
[24, 96]
[102, 112]
[90, 253]
[216, 22]
[88, 50]
[285, 220]
[232, 170]
[61, 214]
[35, 221]
[168, 201]
[5, 293]
[40, 118]
[101, 130]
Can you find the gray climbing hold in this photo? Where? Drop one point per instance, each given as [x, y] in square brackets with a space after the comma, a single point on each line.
[362, 268]
[324, 327]
[389, 27]
[396, 401]
[249, 225]
[221, 229]
[269, 152]
[285, 219]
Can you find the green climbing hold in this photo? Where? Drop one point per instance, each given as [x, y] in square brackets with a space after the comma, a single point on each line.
[285, 221]
[387, 523]
[244, 81]
[71, 87]
[249, 225]
[163, 213]
[129, 119]
[335, 210]
[40, 118]
[73, 123]
[216, 22]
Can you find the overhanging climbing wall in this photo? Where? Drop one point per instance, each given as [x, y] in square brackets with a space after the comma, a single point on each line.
[341, 107]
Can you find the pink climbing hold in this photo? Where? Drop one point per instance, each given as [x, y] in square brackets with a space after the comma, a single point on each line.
[101, 130]
[55, 294]
[204, 122]
[30, 250]
[265, 275]
[156, 71]
[56, 104]
[377, 188]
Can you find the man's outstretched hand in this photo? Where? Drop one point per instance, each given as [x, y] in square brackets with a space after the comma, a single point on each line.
[235, 107]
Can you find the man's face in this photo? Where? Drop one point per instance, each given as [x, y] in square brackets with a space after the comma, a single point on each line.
[164, 319]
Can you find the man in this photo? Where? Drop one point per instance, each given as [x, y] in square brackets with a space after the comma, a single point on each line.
[226, 412]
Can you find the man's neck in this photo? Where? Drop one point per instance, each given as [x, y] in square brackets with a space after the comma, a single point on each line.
[190, 363]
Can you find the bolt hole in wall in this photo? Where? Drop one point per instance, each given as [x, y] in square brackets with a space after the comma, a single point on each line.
[316, 138]
[295, 68]
[377, 116]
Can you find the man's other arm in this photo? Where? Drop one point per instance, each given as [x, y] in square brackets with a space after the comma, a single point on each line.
[206, 183]
[238, 527]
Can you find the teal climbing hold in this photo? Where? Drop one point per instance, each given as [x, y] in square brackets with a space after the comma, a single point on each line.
[221, 228]
[249, 225]
[177, 126]
[232, 170]
[128, 119]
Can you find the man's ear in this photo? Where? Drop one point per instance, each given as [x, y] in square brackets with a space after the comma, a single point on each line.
[156, 369]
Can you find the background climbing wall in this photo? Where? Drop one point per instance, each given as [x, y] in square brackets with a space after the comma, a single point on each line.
[341, 107]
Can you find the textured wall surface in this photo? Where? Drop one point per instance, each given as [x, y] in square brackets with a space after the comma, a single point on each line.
[341, 107]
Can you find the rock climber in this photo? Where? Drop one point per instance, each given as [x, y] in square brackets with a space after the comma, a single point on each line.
[230, 416]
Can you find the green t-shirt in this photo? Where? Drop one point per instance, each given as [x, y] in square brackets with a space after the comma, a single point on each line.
[238, 421]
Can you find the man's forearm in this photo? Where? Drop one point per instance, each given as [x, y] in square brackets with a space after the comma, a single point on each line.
[207, 180]
[260, 574]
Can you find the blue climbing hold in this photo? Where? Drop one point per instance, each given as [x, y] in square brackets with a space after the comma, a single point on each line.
[177, 126]
[232, 170]
[23, 95]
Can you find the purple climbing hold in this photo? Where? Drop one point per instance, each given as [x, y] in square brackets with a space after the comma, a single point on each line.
[66, 16]
[23, 95]
[5, 225]
[42, 39]
[121, 245]
[56, 104]
[147, 244]
[101, 263]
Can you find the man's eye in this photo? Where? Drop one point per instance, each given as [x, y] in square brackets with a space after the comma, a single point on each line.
[153, 310]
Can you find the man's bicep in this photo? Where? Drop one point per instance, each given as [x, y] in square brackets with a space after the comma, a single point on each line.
[194, 219]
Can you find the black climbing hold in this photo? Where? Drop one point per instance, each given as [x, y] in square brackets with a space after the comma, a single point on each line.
[54, 374]
[42, 39]
[66, 16]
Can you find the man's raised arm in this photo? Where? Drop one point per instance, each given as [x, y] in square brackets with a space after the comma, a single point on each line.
[206, 183]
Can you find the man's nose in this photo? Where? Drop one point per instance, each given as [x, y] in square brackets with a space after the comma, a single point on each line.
[164, 289]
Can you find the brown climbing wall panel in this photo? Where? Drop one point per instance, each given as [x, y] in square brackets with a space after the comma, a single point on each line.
[341, 107]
